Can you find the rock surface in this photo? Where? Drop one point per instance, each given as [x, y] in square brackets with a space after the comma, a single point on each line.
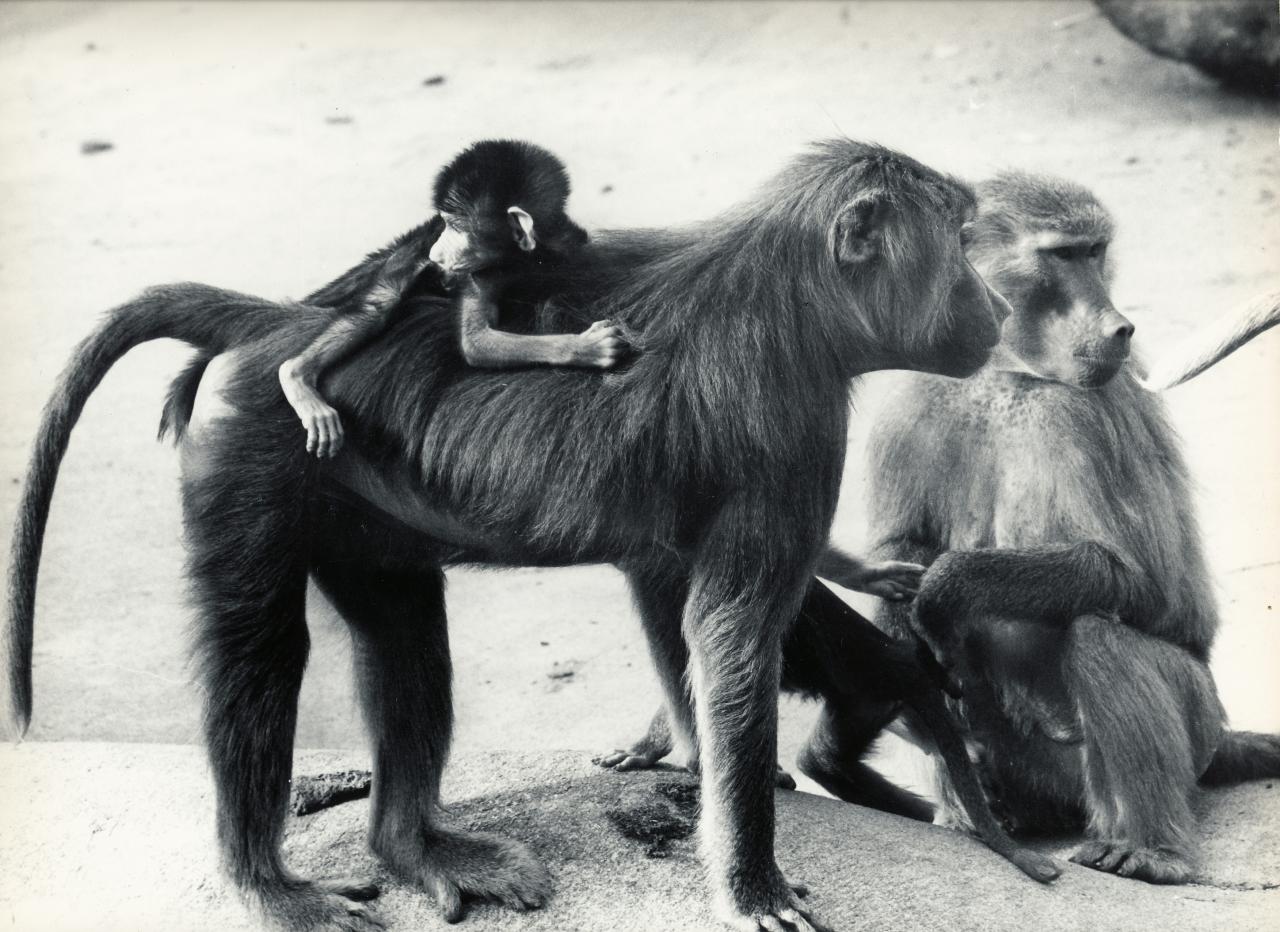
[120, 837]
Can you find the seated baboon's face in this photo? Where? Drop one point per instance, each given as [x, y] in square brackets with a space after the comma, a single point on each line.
[1063, 325]
[1042, 243]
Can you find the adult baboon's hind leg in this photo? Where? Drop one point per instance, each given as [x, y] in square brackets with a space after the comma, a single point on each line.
[659, 597]
[249, 582]
[398, 625]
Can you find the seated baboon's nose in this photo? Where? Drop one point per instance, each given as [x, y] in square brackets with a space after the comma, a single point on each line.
[1116, 327]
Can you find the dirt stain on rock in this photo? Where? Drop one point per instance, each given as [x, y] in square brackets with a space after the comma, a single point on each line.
[659, 824]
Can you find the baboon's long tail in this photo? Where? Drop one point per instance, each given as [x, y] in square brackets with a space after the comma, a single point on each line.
[1208, 346]
[1242, 756]
[209, 318]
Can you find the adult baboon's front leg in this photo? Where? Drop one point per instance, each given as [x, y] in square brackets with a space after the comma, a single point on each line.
[403, 669]
[734, 630]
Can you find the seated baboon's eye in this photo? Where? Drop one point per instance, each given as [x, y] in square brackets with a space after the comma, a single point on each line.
[1065, 253]
[1097, 250]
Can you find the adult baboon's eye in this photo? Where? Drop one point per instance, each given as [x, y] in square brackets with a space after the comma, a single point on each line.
[1097, 250]
[1065, 253]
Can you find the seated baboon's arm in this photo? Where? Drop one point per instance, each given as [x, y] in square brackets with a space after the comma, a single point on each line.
[1052, 584]
[483, 345]
[1002, 616]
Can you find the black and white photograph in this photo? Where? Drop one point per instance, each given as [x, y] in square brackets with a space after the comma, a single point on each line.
[640, 466]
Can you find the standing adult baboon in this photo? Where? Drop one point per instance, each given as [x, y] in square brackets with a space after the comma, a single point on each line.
[707, 469]
[1067, 593]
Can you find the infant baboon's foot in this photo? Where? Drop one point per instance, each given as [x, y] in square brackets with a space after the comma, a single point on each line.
[775, 908]
[784, 781]
[600, 346]
[299, 906]
[455, 867]
[1154, 865]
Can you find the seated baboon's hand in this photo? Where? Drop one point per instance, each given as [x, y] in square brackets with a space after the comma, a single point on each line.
[940, 613]
[601, 345]
[891, 580]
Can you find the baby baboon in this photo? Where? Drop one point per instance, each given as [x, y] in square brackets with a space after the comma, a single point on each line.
[501, 233]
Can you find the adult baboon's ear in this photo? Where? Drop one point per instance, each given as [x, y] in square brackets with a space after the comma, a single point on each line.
[858, 229]
[522, 228]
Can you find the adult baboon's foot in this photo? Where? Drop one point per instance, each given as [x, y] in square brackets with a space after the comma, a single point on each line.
[456, 867]
[776, 908]
[783, 781]
[299, 906]
[635, 758]
[1154, 865]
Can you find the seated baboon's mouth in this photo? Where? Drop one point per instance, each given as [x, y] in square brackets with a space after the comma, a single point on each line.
[1099, 370]
[1110, 359]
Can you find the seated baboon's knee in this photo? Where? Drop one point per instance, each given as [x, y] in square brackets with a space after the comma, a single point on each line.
[1151, 720]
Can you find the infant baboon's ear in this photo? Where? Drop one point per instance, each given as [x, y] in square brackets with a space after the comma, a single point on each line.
[522, 228]
[859, 228]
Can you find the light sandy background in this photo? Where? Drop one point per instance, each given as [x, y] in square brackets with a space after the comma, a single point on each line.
[267, 147]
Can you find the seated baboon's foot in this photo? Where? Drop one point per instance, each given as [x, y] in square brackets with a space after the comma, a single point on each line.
[1154, 865]
[456, 867]
[299, 906]
[773, 907]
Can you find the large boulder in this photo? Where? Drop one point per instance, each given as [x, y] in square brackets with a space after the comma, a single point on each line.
[120, 837]
[1236, 41]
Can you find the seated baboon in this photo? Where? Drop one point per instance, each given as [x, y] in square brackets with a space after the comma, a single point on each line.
[1068, 593]
[707, 469]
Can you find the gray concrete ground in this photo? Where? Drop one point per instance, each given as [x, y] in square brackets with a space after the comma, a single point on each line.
[124, 829]
[266, 147]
